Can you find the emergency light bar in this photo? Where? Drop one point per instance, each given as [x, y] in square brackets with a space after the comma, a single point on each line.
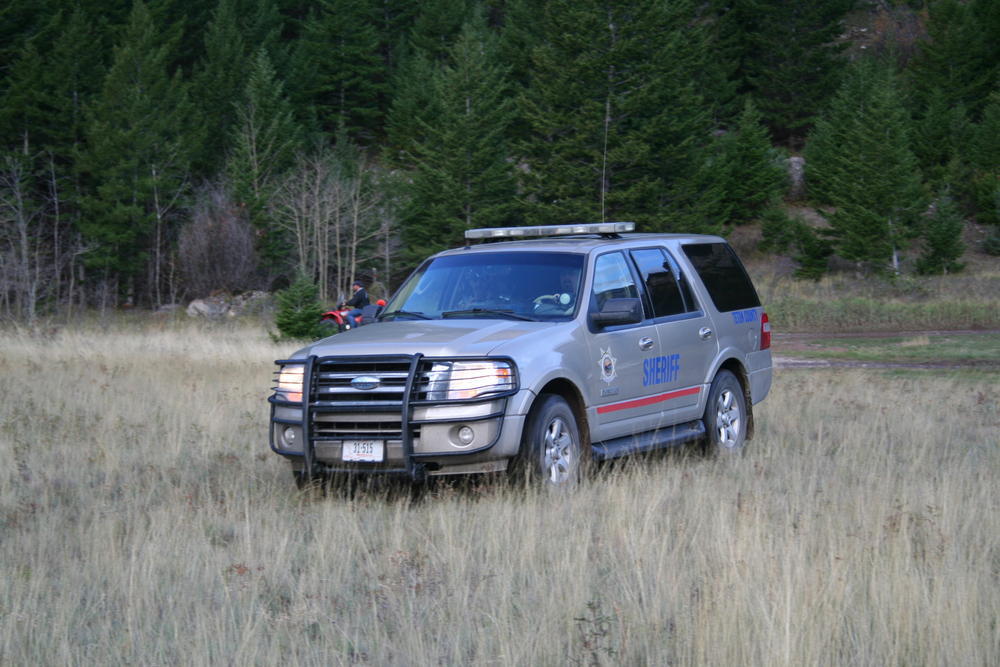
[550, 230]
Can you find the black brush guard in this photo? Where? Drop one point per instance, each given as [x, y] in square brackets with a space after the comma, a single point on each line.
[411, 468]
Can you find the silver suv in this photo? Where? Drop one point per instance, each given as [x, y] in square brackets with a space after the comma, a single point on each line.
[585, 343]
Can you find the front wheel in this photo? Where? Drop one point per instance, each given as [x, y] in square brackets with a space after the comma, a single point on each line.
[725, 415]
[552, 447]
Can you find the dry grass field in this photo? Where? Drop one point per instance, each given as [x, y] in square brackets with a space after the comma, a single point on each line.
[842, 301]
[143, 521]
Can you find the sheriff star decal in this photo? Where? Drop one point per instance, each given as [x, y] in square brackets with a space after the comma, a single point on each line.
[607, 364]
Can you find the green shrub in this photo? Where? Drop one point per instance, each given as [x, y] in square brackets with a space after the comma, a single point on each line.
[814, 250]
[810, 247]
[777, 229]
[299, 310]
[991, 246]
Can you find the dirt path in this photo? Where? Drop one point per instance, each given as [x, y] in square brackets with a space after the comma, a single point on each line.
[791, 342]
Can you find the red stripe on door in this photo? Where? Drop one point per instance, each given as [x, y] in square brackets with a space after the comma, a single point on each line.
[648, 400]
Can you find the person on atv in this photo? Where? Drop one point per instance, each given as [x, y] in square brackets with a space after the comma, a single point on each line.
[358, 301]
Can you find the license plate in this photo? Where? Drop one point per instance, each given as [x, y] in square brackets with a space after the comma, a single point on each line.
[368, 451]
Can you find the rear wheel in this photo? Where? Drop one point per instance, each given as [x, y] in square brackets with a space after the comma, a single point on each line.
[725, 415]
[552, 449]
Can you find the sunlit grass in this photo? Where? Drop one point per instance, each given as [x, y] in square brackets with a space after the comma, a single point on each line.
[845, 302]
[972, 350]
[144, 521]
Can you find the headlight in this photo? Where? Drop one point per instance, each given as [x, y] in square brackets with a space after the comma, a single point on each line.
[451, 380]
[290, 383]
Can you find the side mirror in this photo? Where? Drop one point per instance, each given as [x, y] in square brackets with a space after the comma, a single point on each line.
[618, 311]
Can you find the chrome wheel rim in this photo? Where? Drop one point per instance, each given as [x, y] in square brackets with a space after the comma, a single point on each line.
[558, 463]
[728, 419]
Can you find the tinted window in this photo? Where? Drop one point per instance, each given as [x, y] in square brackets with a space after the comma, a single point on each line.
[725, 278]
[689, 299]
[660, 276]
[612, 279]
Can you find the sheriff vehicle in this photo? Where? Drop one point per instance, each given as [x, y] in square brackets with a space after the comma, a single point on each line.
[537, 349]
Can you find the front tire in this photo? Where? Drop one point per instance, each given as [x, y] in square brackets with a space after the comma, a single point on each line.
[726, 415]
[552, 446]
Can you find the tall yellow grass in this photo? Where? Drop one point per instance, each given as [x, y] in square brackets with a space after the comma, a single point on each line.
[144, 521]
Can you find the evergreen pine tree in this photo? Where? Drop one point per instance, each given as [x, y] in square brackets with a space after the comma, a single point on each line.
[737, 175]
[813, 252]
[136, 160]
[56, 73]
[218, 81]
[413, 106]
[22, 117]
[437, 25]
[394, 21]
[960, 58]
[786, 55]
[339, 72]
[810, 247]
[520, 34]
[299, 310]
[941, 134]
[615, 123]
[20, 20]
[462, 178]
[751, 171]
[236, 31]
[265, 140]
[859, 160]
[190, 18]
[942, 238]
[435, 28]
[984, 158]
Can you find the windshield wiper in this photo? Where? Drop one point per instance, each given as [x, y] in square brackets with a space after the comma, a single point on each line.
[488, 311]
[405, 313]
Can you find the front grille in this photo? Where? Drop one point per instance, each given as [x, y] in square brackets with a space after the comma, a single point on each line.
[332, 384]
[381, 383]
[359, 399]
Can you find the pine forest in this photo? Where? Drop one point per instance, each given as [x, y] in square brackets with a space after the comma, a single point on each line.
[156, 151]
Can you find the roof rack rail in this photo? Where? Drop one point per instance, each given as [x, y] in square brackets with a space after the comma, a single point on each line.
[605, 229]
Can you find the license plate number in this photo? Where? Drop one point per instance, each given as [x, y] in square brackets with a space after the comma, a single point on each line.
[369, 451]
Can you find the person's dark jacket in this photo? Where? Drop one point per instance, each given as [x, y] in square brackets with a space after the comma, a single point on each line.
[359, 300]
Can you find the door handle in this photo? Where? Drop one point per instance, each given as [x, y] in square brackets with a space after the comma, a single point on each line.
[705, 333]
[645, 343]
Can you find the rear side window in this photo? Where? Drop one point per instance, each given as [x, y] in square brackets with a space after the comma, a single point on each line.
[667, 288]
[725, 278]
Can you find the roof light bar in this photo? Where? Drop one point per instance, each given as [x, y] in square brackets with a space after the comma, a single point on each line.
[550, 230]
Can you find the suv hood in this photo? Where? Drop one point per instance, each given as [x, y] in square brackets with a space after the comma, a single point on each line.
[431, 338]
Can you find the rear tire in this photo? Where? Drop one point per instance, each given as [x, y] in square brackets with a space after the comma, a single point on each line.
[551, 447]
[726, 415]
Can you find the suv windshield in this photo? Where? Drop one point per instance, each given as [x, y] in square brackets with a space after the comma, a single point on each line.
[499, 285]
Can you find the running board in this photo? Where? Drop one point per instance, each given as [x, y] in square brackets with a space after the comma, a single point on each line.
[648, 441]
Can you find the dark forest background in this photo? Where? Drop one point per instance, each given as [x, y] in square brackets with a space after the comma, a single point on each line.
[152, 152]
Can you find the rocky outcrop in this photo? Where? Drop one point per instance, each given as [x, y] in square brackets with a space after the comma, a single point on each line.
[221, 306]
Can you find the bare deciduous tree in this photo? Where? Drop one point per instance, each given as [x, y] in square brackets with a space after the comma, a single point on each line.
[24, 261]
[216, 247]
[334, 209]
